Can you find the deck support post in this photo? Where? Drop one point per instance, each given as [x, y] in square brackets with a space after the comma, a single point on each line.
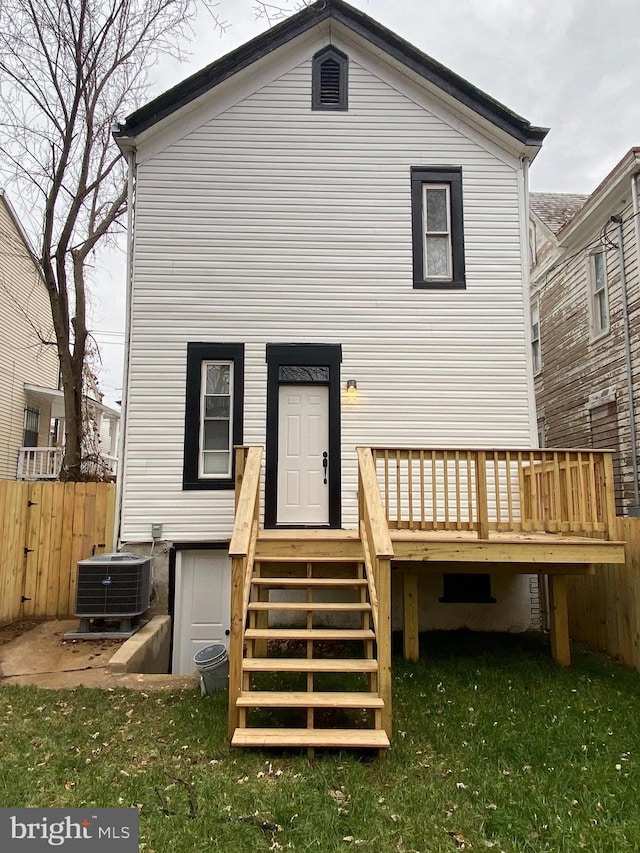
[559, 613]
[235, 643]
[384, 642]
[410, 641]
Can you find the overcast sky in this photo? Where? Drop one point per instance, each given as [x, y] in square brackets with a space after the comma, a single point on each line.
[571, 65]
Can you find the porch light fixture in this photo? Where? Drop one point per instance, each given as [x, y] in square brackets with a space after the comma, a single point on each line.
[352, 387]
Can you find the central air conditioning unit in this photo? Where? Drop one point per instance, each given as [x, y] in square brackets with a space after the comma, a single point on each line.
[113, 586]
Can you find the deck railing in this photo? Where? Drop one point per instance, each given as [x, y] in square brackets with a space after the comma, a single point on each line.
[242, 551]
[555, 491]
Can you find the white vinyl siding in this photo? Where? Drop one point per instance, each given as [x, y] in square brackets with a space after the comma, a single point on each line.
[272, 223]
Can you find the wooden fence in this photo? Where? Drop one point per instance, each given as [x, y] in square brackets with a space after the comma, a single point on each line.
[45, 529]
[604, 608]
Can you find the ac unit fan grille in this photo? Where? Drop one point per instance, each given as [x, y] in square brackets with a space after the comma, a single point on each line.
[113, 590]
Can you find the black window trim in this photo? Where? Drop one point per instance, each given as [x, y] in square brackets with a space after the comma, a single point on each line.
[451, 175]
[324, 355]
[330, 52]
[197, 352]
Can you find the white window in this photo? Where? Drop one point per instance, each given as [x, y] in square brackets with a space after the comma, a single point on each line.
[535, 338]
[216, 428]
[437, 228]
[599, 295]
[436, 211]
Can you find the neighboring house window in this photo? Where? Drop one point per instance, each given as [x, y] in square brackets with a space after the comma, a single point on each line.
[438, 237]
[213, 414]
[535, 338]
[542, 432]
[599, 295]
[31, 426]
[533, 244]
[330, 80]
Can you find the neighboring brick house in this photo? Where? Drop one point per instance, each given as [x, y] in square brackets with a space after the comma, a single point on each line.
[585, 302]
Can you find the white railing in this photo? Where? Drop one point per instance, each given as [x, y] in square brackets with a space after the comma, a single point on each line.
[39, 463]
[43, 463]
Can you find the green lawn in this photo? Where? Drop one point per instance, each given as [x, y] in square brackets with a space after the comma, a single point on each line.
[495, 747]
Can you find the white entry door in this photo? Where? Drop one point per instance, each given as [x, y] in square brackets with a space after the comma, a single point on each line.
[303, 448]
[202, 609]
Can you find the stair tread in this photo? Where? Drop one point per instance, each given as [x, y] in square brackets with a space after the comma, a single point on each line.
[321, 582]
[315, 533]
[301, 699]
[309, 634]
[301, 558]
[350, 738]
[309, 665]
[343, 606]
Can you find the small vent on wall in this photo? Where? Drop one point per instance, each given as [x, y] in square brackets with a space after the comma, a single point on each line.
[329, 82]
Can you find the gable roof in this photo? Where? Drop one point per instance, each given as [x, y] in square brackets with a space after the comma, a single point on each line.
[382, 38]
[18, 225]
[556, 209]
[607, 198]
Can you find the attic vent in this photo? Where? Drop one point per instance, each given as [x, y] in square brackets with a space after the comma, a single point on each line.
[329, 80]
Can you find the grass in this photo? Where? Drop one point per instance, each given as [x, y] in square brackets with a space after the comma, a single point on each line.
[495, 747]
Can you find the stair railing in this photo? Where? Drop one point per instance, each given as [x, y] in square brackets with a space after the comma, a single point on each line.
[378, 553]
[242, 551]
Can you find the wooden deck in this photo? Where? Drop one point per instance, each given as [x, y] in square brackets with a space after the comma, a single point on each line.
[422, 511]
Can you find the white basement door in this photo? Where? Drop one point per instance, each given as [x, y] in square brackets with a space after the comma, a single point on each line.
[202, 608]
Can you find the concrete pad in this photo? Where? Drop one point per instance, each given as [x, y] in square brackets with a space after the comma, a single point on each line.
[42, 658]
[44, 651]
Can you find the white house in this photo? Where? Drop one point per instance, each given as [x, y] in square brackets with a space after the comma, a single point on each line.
[329, 250]
[28, 366]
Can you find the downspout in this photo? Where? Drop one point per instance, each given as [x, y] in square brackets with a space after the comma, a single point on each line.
[117, 542]
[526, 287]
[635, 509]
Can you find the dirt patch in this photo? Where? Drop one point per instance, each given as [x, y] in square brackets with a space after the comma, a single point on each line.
[16, 629]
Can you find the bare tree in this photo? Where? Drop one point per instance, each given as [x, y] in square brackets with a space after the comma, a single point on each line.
[68, 69]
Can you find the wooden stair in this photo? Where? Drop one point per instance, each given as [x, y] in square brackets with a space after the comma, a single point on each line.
[300, 610]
